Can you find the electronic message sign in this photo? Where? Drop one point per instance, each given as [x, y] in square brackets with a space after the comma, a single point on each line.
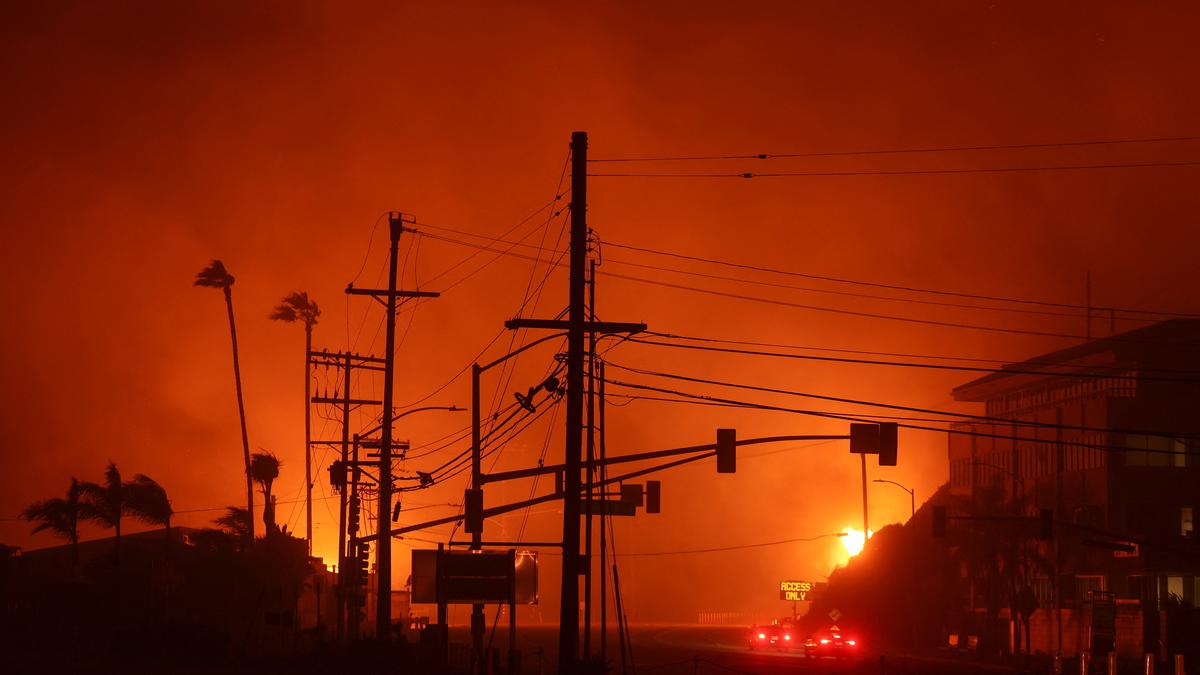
[799, 591]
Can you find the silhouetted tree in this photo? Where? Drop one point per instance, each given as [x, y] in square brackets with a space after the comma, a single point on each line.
[298, 307]
[236, 522]
[60, 516]
[264, 468]
[107, 502]
[147, 501]
[216, 276]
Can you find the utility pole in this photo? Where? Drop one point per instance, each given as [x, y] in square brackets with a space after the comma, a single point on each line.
[341, 587]
[383, 554]
[577, 326]
[591, 464]
[348, 362]
[866, 521]
[568, 630]
[478, 624]
[603, 533]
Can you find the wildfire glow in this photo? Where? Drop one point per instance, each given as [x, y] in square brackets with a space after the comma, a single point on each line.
[854, 540]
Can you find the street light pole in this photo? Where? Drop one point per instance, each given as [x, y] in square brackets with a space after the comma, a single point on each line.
[912, 495]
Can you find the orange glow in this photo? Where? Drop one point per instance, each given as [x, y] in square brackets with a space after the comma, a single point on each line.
[854, 540]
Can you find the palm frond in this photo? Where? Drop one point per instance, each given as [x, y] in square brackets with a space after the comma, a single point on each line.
[297, 306]
[264, 467]
[147, 500]
[214, 276]
[236, 521]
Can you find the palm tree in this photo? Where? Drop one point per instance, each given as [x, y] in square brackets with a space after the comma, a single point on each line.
[264, 468]
[147, 501]
[298, 307]
[216, 276]
[236, 522]
[59, 516]
[107, 503]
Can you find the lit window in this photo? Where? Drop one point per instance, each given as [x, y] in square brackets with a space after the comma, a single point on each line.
[1185, 521]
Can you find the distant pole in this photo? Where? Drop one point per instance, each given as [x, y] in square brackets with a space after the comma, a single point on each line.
[603, 534]
[477, 618]
[591, 458]
[568, 620]
[341, 594]
[383, 555]
[866, 520]
[308, 483]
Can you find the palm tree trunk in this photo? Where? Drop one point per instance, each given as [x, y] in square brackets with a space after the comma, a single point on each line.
[237, 379]
[307, 439]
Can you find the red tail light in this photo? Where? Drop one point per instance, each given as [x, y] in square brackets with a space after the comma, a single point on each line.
[762, 636]
[851, 642]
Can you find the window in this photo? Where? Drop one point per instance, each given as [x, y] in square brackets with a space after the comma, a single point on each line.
[1186, 524]
[1154, 451]
[1174, 589]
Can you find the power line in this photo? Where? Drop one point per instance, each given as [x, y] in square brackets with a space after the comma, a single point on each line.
[895, 287]
[777, 345]
[893, 406]
[902, 364]
[899, 172]
[915, 427]
[898, 151]
[848, 312]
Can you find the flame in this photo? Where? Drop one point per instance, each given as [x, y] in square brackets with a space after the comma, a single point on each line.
[854, 540]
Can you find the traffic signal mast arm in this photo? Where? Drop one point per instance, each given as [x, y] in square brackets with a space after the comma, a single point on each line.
[700, 452]
[656, 454]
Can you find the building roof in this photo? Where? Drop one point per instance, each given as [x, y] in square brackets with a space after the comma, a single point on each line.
[1122, 350]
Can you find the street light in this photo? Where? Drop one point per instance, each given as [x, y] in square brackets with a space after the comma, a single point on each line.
[912, 496]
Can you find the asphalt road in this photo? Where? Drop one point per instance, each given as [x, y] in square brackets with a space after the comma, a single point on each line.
[713, 650]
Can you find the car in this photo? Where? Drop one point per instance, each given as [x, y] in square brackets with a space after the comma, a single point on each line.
[834, 643]
[770, 637]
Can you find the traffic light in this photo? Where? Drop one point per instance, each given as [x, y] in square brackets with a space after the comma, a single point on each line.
[337, 474]
[352, 516]
[1046, 524]
[887, 443]
[939, 522]
[726, 450]
[653, 496]
[864, 439]
[473, 510]
[631, 493]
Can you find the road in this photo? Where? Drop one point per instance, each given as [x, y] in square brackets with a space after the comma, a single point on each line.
[713, 650]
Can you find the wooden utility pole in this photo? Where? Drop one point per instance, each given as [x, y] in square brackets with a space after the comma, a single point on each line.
[383, 554]
[342, 499]
[308, 482]
[348, 362]
[591, 464]
[578, 326]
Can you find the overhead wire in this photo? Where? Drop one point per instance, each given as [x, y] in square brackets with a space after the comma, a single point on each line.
[905, 408]
[901, 172]
[1082, 372]
[897, 151]
[849, 417]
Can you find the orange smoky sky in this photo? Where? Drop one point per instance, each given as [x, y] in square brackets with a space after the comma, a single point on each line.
[142, 139]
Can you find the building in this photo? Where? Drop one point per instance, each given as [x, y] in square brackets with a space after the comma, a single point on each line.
[1106, 435]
